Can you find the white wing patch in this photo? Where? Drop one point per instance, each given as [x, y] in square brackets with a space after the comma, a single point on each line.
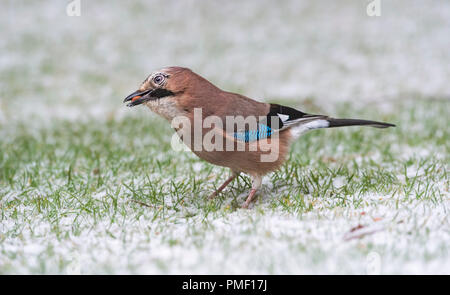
[304, 121]
[303, 128]
[283, 117]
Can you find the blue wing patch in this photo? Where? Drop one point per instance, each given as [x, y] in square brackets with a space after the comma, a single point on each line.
[263, 131]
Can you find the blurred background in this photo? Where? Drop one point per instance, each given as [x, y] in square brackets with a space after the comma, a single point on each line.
[70, 67]
[88, 185]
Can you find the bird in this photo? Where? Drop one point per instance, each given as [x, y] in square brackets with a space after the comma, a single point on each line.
[180, 95]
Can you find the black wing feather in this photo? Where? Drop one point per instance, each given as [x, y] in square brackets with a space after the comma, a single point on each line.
[293, 116]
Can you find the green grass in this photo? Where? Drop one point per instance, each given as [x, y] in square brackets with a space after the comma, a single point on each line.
[104, 176]
[88, 185]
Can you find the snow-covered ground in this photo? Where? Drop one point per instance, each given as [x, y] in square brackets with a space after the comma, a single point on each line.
[310, 54]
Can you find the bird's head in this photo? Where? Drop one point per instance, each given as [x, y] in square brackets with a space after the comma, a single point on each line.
[175, 91]
[161, 84]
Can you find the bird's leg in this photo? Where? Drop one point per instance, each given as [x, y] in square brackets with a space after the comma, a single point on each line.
[224, 185]
[256, 184]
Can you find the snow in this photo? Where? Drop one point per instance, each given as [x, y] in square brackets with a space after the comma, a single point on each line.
[326, 51]
[56, 67]
[246, 242]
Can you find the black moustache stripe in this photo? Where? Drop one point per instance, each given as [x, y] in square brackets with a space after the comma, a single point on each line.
[151, 95]
[159, 93]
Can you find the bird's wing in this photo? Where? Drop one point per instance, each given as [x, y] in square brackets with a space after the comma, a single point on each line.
[289, 117]
[280, 118]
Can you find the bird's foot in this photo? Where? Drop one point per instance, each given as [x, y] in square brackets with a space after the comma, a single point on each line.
[213, 195]
[224, 185]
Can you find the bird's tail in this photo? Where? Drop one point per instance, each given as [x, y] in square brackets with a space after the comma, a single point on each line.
[318, 122]
[356, 122]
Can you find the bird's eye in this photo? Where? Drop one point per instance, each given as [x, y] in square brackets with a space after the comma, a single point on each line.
[158, 79]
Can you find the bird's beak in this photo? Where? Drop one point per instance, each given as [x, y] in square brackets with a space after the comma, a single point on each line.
[137, 97]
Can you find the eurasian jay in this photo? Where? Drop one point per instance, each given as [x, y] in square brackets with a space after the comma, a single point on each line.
[256, 147]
